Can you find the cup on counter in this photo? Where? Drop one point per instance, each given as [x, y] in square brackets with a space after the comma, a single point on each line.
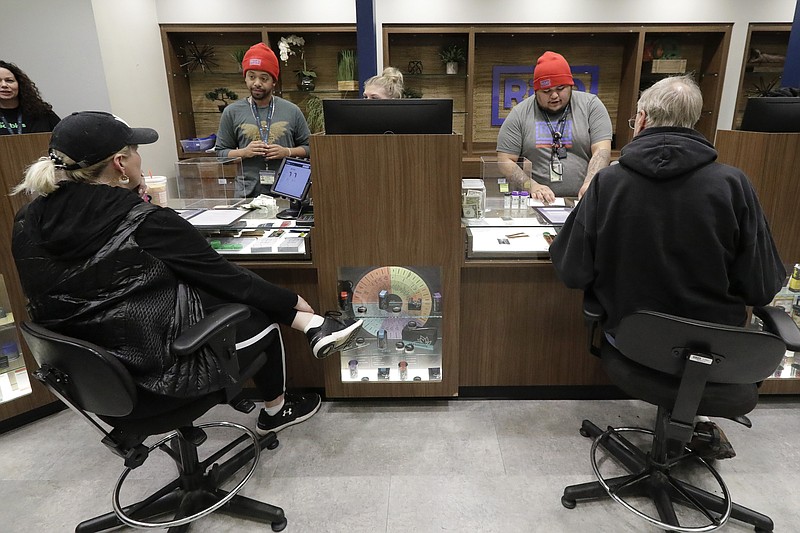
[157, 189]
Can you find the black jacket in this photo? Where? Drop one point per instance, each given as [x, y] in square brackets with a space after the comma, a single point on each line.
[98, 263]
[668, 229]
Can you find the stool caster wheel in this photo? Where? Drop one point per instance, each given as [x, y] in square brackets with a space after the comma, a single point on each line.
[279, 526]
[584, 433]
[271, 446]
[569, 504]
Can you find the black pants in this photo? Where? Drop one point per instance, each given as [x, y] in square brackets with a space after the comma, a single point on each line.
[253, 336]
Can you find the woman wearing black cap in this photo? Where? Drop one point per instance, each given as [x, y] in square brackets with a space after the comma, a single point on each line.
[22, 109]
[98, 263]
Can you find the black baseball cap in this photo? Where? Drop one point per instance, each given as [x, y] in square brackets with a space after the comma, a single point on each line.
[88, 137]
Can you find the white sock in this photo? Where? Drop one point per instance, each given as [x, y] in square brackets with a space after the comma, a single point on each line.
[315, 322]
[272, 411]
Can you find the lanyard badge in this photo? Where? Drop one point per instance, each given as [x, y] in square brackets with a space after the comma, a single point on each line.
[557, 153]
[557, 150]
[7, 126]
[263, 125]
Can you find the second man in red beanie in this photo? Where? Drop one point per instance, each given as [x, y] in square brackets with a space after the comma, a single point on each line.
[566, 134]
[262, 129]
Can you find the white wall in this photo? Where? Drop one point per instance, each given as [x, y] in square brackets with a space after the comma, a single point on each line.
[130, 45]
[56, 45]
[106, 54]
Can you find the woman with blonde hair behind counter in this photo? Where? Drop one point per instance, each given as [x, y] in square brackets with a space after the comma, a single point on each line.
[385, 86]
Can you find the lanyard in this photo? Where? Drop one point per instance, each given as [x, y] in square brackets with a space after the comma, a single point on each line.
[562, 122]
[263, 127]
[7, 126]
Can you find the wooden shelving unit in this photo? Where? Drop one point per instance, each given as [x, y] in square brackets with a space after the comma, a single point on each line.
[613, 54]
[196, 116]
[771, 39]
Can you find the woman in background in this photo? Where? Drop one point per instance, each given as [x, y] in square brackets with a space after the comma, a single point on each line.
[22, 109]
[386, 86]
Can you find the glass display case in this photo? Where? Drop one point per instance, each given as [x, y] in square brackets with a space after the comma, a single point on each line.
[511, 225]
[788, 298]
[208, 177]
[14, 381]
[401, 338]
[247, 228]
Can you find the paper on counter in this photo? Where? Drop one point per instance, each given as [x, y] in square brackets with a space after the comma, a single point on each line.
[539, 203]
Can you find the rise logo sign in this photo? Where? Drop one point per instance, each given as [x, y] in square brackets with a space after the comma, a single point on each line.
[512, 84]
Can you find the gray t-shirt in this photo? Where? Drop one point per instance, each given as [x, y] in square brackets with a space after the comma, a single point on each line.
[238, 128]
[525, 132]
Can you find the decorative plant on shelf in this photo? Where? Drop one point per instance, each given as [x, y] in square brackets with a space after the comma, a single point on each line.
[305, 75]
[452, 56]
[762, 88]
[347, 68]
[238, 56]
[411, 92]
[221, 94]
[201, 57]
[314, 117]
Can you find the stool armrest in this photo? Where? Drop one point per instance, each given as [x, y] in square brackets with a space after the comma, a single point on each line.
[593, 315]
[781, 324]
[208, 328]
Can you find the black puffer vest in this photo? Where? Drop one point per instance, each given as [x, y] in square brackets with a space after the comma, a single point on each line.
[123, 299]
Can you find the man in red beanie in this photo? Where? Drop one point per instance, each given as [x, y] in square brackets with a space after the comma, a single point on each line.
[263, 128]
[566, 134]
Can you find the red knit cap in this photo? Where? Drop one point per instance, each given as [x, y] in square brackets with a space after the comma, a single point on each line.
[551, 70]
[260, 57]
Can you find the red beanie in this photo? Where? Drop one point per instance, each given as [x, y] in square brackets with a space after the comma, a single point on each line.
[551, 70]
[260, 57]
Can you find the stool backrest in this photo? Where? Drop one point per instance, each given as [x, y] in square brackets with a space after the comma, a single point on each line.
[663, 342]
[94, 380]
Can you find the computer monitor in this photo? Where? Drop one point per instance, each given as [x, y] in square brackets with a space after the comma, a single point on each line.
[772, 114]
[399, 116]
[292, 181]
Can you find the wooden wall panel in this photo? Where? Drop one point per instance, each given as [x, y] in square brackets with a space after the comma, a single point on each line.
[16, 153]
[603, 49]
[771, 161]
[520, 326]
[384, 200]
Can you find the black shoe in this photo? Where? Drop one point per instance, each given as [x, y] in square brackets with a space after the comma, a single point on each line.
[334, 334]
[296, 408]
[710, 443]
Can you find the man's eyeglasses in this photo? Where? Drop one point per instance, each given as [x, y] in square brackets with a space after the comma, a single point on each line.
[632, 122]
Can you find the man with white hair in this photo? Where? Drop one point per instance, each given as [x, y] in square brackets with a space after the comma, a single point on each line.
[669, 229]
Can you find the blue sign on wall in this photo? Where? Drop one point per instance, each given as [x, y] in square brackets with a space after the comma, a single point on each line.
[512, 84]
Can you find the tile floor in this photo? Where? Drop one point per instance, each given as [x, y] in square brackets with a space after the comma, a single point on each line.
[404, 466]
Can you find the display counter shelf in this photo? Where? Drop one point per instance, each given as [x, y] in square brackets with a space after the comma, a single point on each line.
[518, 229]
[248, 234]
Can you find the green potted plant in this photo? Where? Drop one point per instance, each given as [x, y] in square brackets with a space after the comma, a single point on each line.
[238, 57]
[346, 74]
[411, 92]
[314, 116]
[221, 94]
[452, 56]
[305, 76]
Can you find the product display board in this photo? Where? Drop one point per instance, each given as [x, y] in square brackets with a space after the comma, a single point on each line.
[402, 310]
[14, 380]
[510, 227]
[788, 299]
